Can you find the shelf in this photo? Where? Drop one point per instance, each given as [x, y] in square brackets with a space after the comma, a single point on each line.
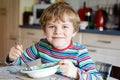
[108, 32]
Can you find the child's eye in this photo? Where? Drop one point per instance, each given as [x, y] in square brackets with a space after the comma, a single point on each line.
[51, 26]
[65, 27]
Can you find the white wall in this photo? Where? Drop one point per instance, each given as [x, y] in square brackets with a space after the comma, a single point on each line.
[22, 5]
[74, 3]
[89, 3]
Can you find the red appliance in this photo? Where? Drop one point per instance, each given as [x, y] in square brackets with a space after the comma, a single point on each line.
[100, 18]
[83, 11]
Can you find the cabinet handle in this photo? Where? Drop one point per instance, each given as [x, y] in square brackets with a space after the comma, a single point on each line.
[91, 50]
[29, 33]
[108, 42]
[3, 11]
[12, 38]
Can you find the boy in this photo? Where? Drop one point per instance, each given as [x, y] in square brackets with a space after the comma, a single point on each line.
[60, 24]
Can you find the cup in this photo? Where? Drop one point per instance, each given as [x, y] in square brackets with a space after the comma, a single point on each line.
[83, 25]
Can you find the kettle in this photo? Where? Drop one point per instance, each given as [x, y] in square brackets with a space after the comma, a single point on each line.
[100, 19]
[83, 11]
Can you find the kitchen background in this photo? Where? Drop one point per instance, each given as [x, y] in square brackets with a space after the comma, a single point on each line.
[103, 44]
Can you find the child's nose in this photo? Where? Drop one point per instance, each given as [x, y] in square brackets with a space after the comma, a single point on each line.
[58, 31]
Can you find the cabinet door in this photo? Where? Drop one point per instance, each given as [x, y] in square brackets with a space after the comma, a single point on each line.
[30, 36]
[13, 21]
[3, 27]
[27, 42]
[13, 16]
[110, 56]
[78, 38]
[8, 24]
[100, 40]
[32, 33]
[96, 54]
[12, 41]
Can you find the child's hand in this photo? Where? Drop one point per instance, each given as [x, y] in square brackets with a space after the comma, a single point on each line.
[15, 52]
[68, 69]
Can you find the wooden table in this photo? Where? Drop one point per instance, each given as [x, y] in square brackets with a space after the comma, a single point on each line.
[13, 73]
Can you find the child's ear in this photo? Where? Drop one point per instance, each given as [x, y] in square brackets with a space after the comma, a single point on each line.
[74, 33]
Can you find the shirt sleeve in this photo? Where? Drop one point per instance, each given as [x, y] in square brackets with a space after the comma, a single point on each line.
[29, 54]
[86, 67]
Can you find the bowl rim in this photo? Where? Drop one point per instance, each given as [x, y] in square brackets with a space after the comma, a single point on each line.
[44, 69]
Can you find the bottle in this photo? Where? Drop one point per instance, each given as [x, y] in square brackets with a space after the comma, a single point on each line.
[119, 23]
[26, 17]
[88, 18]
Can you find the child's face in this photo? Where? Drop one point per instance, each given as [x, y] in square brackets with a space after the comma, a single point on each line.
[59, 33]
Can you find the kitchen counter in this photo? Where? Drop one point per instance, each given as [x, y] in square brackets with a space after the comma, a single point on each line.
[108, 32]
[34, 26]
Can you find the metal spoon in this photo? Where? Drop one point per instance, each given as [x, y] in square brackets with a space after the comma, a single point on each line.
[28, 68]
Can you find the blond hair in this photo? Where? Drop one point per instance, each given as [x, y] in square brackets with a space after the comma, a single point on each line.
[58, 11]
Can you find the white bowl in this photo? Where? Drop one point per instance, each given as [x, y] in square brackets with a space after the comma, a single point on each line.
[40, 73]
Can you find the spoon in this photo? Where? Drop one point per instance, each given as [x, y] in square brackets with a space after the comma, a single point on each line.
[28, 68]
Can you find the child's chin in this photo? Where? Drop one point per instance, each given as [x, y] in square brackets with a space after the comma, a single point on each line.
[58, 45]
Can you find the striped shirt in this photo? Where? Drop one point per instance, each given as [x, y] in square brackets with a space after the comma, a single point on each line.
[75, 52]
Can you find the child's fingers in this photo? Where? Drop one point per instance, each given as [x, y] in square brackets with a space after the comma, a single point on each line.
[15, 52]
[19, 48]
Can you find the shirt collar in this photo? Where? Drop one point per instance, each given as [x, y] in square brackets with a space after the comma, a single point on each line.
[56, 49]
